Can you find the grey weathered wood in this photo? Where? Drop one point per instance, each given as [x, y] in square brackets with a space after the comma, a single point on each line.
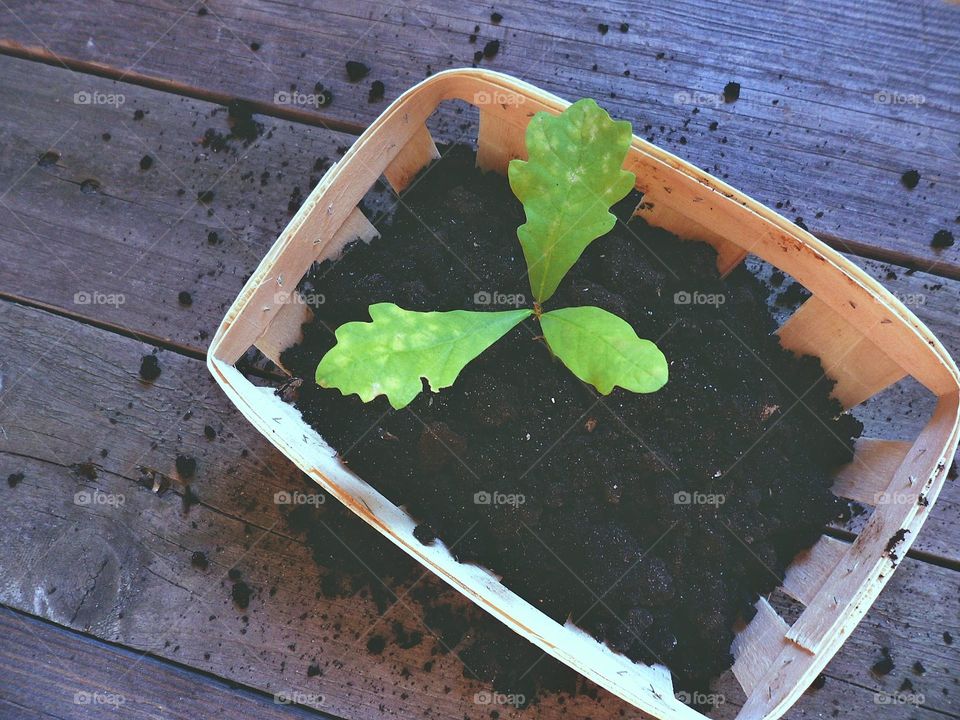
[123, 573]
[808, 130]
[143, 237]
[47, 671]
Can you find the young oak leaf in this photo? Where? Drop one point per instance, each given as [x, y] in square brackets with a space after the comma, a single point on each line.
[573, 175]
[603, 350]
[390, 355]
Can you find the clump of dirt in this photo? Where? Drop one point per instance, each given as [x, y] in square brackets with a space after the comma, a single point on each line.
[910, 179]
[186, 466]
[357, 70]
[377, 90]
[942, 239]
[652, 521]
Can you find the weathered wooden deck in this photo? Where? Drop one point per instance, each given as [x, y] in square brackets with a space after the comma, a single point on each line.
[96, 244]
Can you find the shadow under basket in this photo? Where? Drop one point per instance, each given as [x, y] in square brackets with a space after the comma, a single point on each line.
[865, 337]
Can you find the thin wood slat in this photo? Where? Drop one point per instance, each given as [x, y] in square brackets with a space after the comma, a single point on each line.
[755, 647]
[284, 328]
[656, 210]
[868, 476]
[840, 286]
[499, 141]
[860, 368]
[418, 151]
[810, 570]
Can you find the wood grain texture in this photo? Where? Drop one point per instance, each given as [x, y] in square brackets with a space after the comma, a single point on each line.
[46, 671]
[832, 108]
[129, 564]
[127, 250]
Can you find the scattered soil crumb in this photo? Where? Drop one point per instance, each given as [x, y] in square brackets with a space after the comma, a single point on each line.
[186, 466]
[241, 593]
[356, 70]
[149, 368]
[883, 666]
[377, 91]
[910, 179]
[86, 470]
[942, 239]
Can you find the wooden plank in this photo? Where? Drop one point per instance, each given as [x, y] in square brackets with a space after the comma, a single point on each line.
[51, 672]
[130, 562]
[787, 139]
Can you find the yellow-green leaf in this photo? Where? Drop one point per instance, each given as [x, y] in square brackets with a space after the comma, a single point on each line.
[603, 350]
[573, 175]
[390, 355]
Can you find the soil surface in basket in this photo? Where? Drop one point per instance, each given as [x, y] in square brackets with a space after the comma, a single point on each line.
[652, 521]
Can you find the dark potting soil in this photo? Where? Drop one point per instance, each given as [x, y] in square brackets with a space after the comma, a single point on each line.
[652, 521]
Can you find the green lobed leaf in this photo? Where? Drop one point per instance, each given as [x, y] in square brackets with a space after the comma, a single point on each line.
[603, 350]
[390, 355]
[573, 175]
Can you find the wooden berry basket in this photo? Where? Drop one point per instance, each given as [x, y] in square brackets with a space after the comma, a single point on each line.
[866, 339]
